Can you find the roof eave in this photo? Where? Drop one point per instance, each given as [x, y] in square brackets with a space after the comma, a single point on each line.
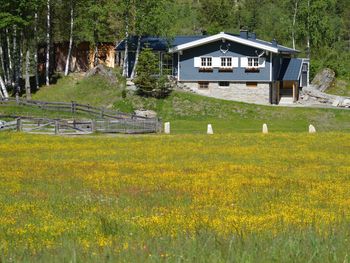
[219, 36]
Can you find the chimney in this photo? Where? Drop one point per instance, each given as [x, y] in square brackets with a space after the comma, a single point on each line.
[252, 35]
[243, 33]
[274, 42]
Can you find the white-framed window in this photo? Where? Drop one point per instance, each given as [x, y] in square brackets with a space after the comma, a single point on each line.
[253, 62]
[206, 62]
[226, 62]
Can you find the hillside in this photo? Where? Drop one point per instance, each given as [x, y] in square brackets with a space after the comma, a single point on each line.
[189, 113]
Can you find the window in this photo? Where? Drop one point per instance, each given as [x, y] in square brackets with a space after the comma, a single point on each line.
[206, 62]
[167, 64]
[203, 85]
[251, 84]
[253, 62]
[226, 62]
[224, 84]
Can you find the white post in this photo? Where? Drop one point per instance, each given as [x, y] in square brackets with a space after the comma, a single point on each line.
[265, 129]
[167, 128]
[210, 129]
[312, 129]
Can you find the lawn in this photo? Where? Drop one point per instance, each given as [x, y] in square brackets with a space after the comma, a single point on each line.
[187, 112]
[240, 197]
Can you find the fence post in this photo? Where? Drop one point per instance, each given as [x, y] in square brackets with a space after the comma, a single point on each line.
[73, 107]
[19, 124]
[93, 126]
[57, 127]
[102, 112]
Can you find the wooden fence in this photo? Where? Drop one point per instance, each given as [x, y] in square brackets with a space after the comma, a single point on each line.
[72, 107]
[80, 127]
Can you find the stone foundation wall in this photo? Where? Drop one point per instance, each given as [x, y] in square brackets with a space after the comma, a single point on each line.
[235, 91]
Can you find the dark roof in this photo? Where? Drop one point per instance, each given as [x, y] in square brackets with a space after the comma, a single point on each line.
[160, 44]
[290, 69]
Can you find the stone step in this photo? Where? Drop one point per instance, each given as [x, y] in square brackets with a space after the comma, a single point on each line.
[286, 101]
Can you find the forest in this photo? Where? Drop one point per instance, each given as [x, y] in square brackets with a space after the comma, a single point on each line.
[320, 29]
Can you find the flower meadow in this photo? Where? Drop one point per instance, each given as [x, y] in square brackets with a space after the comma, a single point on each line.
[281, 197]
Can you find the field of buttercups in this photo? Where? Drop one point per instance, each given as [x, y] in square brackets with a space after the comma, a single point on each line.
[178, 198]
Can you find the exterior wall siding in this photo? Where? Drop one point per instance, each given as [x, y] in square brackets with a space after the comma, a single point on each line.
[235, 91]
[189, 73]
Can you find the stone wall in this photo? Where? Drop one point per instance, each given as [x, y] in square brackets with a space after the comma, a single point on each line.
[259, 94]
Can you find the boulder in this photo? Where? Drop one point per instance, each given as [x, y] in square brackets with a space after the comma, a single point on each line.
[167, 128]
[145, 113]
[265, 129]
[210, 129]
[324, 79]
[102, 71]
[346, 103]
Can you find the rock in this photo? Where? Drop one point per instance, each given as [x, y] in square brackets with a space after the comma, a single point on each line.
[210, 129]
[167, 128]
[102, 71]
[336, 102]
[145, 113]
[265, 129]
[346, 103]
[312, 129]
[324, 79]
[130, 83]
[131, 88]
[2, 124]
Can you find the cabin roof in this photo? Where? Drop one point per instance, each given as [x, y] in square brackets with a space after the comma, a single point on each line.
[290, 69]
[179, 43]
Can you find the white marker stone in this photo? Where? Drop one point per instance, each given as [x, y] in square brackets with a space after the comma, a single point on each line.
[312, 129]
[265, 129]
[210, 129]
[167, 128]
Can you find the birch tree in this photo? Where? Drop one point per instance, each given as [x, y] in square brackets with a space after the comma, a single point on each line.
[48, 42]
[66, 71]
[27, 77]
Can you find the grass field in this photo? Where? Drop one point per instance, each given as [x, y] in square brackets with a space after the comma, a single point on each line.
[238, 197]
[188, 113]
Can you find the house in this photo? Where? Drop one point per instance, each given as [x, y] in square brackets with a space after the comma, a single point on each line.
[236, 67]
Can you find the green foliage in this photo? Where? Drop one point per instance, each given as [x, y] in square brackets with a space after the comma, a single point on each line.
[147, 80]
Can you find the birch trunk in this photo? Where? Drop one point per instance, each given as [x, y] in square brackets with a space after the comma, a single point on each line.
[126, 54]
[96, 55]
[294, 20]
[16, 62]
[10, 76]
[27, 82]
[133, 73]
[2, 62]
[47, 73]
[3, 92]
[36, 50]
[20, 58]
[66, 71]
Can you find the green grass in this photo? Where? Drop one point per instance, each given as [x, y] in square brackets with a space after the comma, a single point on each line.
[341, 87]
[190, 113]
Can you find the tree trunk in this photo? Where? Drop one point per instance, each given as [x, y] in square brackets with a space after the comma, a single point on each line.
[27, 83]
[126, 54]
[20, 58]
[10, 76]
[47, 76]
[133, 73]
[96, 55]
[3, 92]
[2, 62]
[308, 30]
[36, 50]
[294, 20]
[66, 71]
[16, 62]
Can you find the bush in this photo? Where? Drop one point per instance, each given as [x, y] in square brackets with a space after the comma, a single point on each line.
[148, 81]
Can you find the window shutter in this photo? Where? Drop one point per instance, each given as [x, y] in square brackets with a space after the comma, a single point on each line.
[197, 62]
[216, 62]
[235, 62]
[262, 62]
[244, 62]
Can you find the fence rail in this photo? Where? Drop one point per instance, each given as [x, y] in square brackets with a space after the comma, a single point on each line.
[72, 107]
[61, 126]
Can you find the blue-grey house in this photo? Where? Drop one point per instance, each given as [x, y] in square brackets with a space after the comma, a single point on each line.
[237, 67]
